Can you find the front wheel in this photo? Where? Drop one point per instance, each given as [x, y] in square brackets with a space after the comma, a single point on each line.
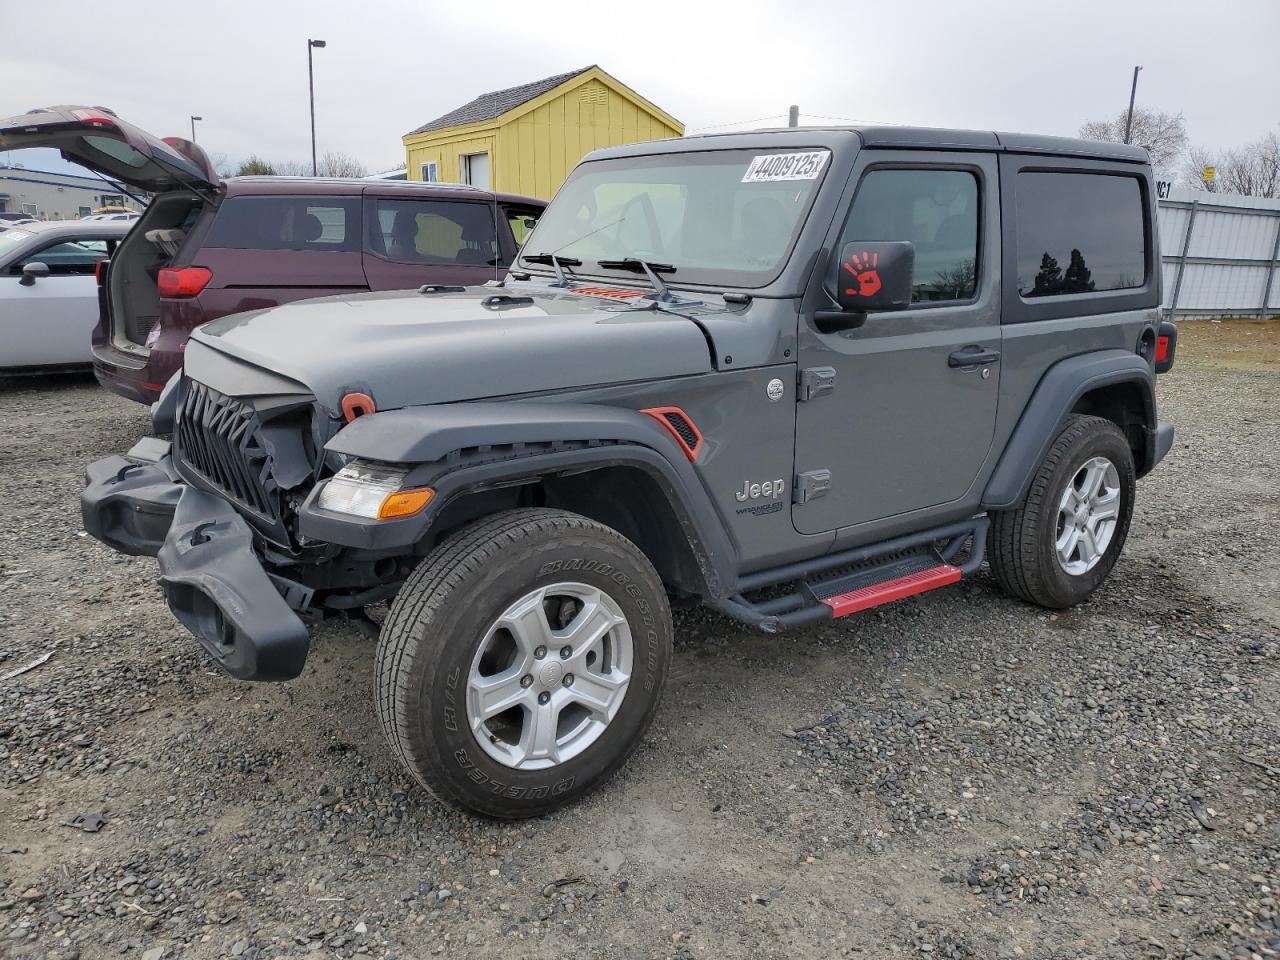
[522, 662]
[1057, 546]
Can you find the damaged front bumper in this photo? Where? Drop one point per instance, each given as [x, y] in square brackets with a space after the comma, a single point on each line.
[214, 582]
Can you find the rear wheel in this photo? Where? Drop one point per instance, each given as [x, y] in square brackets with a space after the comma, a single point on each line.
[1057, 546]
[522, 662]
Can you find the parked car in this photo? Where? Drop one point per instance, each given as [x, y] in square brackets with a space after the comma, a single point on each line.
[206, 247]
[8, 220]
[794, 374]
[48, 291]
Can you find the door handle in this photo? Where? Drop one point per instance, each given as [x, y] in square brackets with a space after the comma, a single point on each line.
[973, 356]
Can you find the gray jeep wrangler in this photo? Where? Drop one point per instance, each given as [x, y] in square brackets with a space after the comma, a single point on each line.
[791, 374]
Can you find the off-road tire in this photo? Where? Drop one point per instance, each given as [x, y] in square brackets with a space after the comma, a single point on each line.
[437, 623]
[1020, 543]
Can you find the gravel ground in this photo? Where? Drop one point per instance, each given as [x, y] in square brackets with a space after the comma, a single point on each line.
[956, 776]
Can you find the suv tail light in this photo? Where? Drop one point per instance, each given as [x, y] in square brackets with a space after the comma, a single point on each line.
[94, 118]
[1166, 346]
[182, 281]
[100, 271]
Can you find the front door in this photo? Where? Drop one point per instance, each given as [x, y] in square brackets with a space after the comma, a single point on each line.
[906, 425]
[50, 321]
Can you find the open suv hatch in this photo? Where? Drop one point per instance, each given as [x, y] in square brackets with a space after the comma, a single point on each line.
[208, 247]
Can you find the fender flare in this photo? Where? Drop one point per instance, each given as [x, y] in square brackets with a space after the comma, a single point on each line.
[460, 448]
[1059, 390]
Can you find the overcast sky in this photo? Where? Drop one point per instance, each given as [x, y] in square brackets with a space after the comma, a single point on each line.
[391, 65]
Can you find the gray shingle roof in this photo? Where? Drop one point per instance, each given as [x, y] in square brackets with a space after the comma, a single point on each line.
[488, 106]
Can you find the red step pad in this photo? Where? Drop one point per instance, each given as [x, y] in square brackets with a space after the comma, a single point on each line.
[864, 598]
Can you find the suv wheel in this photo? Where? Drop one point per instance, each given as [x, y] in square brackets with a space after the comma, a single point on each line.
[1059, 544]
[522, 661]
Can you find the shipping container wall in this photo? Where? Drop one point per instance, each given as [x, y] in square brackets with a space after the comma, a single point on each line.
[1219, 254]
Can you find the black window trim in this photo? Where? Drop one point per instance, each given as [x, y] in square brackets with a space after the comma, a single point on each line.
[980, 264]
[1017, 309]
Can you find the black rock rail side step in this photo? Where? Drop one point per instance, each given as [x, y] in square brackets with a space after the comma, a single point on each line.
[858, 579]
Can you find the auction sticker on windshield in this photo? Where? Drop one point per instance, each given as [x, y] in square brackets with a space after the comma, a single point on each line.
[786, 166]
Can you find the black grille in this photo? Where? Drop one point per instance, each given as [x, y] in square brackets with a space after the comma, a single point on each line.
[682, 427]
[219, 438]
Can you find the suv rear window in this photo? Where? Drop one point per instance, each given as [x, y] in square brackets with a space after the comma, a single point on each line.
[434, 231]
[287, 223]
[1079, 233]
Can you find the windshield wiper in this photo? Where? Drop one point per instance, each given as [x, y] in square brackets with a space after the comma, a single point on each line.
[650, 270]
[557, 263]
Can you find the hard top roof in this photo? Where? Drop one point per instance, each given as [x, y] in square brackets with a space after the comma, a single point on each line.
[918, 138]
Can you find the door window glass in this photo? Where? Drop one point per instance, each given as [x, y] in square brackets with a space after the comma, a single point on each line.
[1079, 233]
[522, 223]
[69, 258]
[286, 223]
[937, 212]
[434, 232]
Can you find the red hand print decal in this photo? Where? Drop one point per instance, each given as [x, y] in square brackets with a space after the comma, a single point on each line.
[863, 269]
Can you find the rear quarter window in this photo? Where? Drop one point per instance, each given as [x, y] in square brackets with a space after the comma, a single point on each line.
[1079, 233]
[287, 223]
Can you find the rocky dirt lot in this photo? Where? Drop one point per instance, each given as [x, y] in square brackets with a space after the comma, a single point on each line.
[955, 776]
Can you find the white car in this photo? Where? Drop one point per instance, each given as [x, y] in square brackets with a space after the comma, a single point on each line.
[49, 292]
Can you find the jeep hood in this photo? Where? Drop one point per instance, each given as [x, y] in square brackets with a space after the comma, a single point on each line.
[406, 348]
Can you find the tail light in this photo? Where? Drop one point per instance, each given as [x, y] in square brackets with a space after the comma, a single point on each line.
[94, 118]
[100, 271]
[1166, 346]
[181, 282]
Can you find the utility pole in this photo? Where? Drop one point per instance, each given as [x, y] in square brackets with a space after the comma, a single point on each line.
[193, 128]
[1133, 92]
[311, 86]
[793, 116]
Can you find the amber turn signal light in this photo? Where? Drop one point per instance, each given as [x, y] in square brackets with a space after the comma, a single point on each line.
[404, 503]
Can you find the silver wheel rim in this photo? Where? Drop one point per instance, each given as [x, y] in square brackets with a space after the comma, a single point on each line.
[1088, 513]
[549, 676]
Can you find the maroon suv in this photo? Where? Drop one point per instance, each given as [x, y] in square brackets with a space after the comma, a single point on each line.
[207, 247]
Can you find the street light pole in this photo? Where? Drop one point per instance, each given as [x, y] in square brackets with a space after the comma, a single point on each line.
[1133, 92]
[311, 86]
[193, 128]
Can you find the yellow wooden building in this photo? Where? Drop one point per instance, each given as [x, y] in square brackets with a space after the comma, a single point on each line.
[526, 139]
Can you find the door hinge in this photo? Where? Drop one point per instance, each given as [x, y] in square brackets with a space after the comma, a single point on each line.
[811, 485]
[815, 381]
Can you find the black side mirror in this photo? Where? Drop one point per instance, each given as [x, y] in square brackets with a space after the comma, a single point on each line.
[874, 277]
[32, 270]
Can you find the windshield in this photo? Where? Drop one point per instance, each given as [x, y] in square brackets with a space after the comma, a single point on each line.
[724, 218]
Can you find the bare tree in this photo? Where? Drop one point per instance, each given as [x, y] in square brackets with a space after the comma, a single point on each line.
[1252, 170]
[221, 165]
[293, 168]
[341, 165]
[1163, 134]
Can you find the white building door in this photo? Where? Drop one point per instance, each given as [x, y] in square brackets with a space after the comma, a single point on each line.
[475, 170]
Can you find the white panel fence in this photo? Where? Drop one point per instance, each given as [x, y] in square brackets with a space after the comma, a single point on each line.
[1219, 254]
